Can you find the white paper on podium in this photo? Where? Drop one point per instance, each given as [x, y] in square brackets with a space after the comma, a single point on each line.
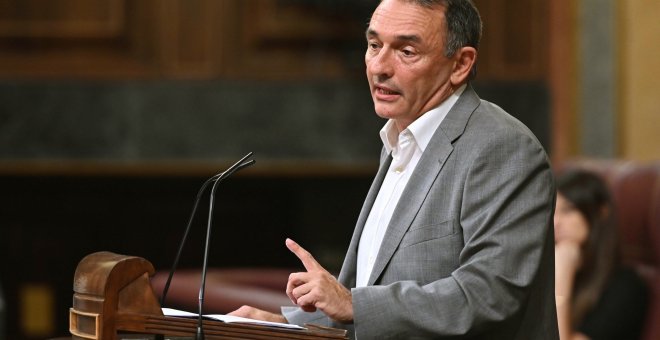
[228, 318]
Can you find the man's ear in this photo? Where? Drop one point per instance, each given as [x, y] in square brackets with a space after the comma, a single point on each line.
[464, 60]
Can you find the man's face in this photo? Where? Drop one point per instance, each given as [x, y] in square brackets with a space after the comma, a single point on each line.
[407, 71]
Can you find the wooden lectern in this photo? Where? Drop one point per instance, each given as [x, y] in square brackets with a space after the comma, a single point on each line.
[113, 294]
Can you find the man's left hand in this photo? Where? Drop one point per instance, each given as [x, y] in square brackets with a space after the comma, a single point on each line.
[318, 289]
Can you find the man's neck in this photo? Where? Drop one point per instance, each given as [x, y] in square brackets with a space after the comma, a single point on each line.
[402, 124]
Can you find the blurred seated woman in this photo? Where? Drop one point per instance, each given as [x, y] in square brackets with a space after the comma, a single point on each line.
[597, 297]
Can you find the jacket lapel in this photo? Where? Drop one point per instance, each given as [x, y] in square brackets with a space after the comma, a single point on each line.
[348, 271]
[421, 180]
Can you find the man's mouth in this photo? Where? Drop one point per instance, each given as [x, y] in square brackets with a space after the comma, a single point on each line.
[385, 91]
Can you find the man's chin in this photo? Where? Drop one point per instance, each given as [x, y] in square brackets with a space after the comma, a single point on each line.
[385, 112]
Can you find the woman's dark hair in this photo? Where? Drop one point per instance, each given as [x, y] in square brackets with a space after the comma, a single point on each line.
[589, 194]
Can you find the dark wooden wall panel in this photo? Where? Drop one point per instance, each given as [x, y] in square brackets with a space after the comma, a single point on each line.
[173, 39]
[61, 18]
[262, 39]
[514, 44]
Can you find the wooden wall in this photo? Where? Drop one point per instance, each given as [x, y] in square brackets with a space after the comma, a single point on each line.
[179, 63]
[273, 39]
[119, 39]
[638, 86]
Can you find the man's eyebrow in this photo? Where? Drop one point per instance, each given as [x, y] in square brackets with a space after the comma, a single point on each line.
[403, 37]
[410, 38]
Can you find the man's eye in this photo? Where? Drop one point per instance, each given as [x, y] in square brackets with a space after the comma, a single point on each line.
[408, 53]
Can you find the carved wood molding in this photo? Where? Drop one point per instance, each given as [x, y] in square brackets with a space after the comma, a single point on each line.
[171, 39]
[62, 19]
[258, 39]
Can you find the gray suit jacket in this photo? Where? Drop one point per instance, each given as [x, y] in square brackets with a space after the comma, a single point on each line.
[469, 252]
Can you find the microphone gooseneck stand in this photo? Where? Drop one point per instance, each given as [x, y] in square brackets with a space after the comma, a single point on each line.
[216, 179]
[239, 165]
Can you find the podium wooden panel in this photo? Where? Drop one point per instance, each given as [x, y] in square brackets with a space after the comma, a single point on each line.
[113, 294]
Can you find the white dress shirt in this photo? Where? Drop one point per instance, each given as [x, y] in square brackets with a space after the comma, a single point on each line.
[406, 149]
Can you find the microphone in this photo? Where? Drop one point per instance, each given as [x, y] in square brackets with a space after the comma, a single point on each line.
[237, 166]
[240, 164]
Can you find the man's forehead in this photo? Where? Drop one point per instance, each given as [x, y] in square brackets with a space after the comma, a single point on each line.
[405, 19]
[411, 38]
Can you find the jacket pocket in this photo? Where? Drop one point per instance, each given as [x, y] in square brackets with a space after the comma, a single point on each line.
[427, 233]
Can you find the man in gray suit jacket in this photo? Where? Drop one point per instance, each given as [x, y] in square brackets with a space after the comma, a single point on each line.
[455, 236]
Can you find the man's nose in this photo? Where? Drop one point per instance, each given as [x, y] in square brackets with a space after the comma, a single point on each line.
[381, 64]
